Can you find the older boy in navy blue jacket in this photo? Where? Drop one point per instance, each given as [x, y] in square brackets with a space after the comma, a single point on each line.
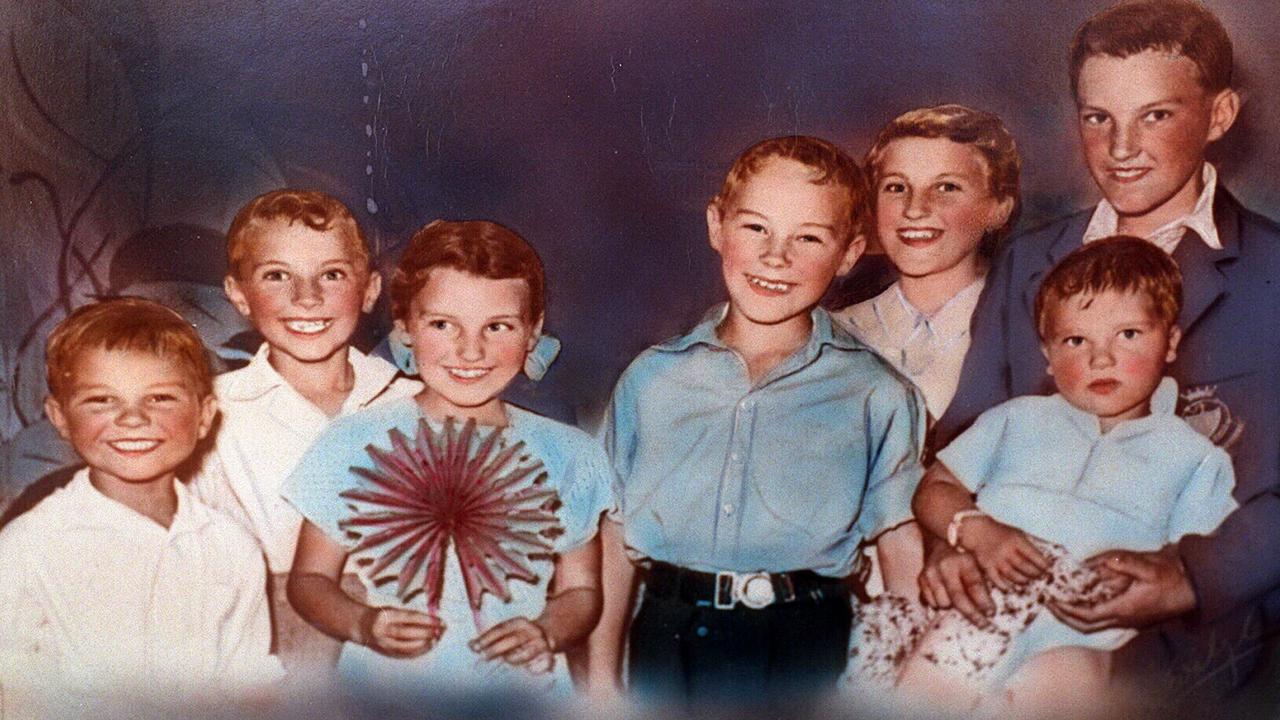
[1152, 83]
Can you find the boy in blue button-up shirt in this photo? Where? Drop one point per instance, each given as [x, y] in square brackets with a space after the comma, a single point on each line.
[755, 453]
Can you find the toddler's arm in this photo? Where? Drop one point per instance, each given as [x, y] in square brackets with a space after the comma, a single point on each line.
[314, 591]
[1005, 554]
[573, 606]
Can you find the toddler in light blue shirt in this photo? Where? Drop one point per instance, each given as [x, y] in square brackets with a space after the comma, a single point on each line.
[1106, 463]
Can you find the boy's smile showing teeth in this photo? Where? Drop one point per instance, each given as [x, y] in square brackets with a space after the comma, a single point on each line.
[134, 446]
[308, 327]
[1128, 174]
[918, 237]
[132, 415]
[304, 290]
[777, 287]
[781, 236]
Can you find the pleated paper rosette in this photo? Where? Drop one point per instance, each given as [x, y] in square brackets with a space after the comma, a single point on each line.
[474, 492]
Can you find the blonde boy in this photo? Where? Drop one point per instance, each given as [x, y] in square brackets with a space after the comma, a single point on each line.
[299, 270]
[122, 587]
[756, 452]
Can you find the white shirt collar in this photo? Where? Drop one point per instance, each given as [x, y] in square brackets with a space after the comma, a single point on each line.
[1105, 220]
[372, 376]
[94, 509]
[949, 321]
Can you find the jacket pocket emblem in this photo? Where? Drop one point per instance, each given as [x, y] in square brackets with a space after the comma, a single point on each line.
[1210, 416]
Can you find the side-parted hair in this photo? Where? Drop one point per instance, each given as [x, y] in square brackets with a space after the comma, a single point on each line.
[478, 247]
[983, 131]
[317, 210]
[125, 323]
[1121, 263]
[1182, 27]
[830, 165]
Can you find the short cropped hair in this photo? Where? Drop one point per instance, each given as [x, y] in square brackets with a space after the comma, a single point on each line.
[984, 131]
[125, 323]
[1121, 263]
[478, 247]
[1181, 27]
[831, 166]
[317, 210]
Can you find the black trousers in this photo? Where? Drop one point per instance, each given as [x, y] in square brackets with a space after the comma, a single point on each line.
[781, 653]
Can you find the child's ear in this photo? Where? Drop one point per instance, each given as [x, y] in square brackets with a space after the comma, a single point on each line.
[1044, 350]
[534, 335]
[1222, 114]
[401, 332]
[1175, 336]
[231, 287]
[1000, 214]
[372, 290]
[53, 410]
[208, 411]
[714, 220]
[857, 246]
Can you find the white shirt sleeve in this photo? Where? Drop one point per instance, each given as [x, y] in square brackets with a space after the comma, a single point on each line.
[246, 660]
[213, 488]
[28, 655]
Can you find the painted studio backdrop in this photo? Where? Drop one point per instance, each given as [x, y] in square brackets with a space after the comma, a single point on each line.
[133, 129]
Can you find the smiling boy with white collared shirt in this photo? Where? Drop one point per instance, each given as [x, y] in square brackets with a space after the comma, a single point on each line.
[121, 592]
[299, 270]
[755, 453]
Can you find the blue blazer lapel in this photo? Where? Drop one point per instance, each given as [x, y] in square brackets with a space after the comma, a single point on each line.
[1070, 237]
[1203, 281]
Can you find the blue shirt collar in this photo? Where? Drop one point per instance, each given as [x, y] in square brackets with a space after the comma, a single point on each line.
[824, 332]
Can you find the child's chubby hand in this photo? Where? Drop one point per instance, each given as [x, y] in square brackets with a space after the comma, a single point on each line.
[1006, 555]
[400, 633]
[520, 642]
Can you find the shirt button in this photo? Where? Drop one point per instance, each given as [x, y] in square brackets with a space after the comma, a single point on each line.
[728, 508]
[733, 457]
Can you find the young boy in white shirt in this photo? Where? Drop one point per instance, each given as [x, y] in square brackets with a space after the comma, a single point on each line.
[121, 590]
[299, 269]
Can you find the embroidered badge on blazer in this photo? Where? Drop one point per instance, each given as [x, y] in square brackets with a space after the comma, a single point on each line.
[1210, 416]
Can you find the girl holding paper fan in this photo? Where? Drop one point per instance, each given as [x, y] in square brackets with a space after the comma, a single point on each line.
[470, 522]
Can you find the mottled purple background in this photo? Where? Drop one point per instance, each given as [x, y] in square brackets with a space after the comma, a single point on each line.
[133, 130]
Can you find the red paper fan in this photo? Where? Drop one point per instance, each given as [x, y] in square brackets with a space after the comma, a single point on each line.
[484, 497]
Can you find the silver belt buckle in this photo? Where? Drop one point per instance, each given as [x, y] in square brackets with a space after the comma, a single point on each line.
[726, 593]
[755, 590]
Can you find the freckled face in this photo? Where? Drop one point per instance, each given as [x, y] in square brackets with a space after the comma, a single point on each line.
[1145, 122]
[132, 416]
[304, 290]
[469, 337]
[1107, 353]
[781, 240]
[933, 206]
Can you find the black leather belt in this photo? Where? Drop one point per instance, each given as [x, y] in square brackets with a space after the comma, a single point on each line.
[724, 590]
